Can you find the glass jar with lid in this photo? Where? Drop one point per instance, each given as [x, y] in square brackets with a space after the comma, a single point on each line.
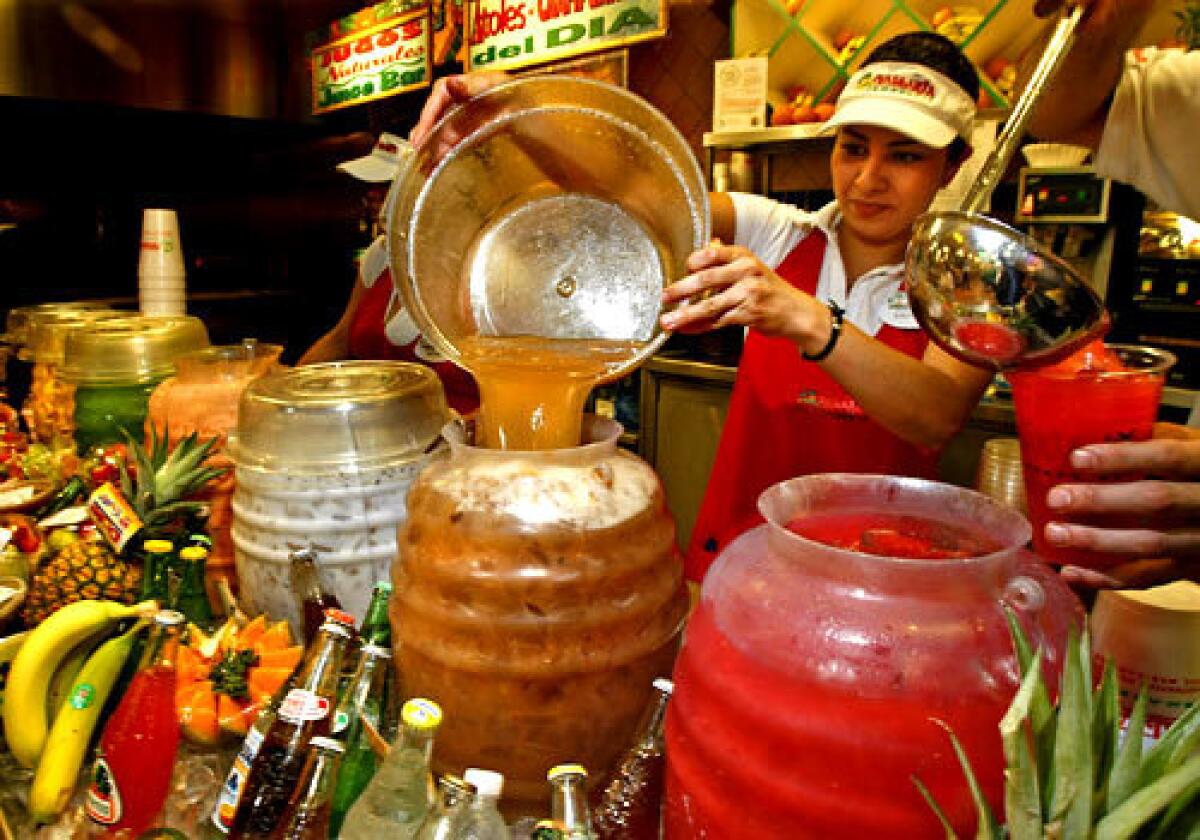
[202, 398]
[115, 364]
[49, 409]
[324, 456]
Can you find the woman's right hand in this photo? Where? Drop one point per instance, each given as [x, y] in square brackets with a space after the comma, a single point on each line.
[448, 92]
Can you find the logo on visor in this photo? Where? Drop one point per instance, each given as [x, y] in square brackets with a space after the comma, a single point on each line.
[905, 84]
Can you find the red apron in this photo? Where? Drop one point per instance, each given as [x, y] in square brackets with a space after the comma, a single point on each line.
[787, 417]
[369, 341]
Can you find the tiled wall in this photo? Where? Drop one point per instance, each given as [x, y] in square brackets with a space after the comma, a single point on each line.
[676, 72]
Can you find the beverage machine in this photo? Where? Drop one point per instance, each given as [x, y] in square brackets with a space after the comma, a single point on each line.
[1145, 263]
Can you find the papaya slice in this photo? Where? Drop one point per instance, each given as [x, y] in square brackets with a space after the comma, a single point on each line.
[266, 680]
[235, 716]
[197, 708]
[252, 631]
[275, 637]
[288, 657]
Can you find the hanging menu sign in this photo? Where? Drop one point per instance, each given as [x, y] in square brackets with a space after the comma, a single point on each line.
[374, 61]
[515, 33]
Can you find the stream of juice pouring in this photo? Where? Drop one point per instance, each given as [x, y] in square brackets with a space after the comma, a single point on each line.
[533, 389]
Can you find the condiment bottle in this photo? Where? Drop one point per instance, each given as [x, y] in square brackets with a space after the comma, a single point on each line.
[132, 773]
[628, 807]
[484, 821]
[310, 595]
[306, 816]
[368, 696]
[446, 821]
[305, 712]
[400, 795]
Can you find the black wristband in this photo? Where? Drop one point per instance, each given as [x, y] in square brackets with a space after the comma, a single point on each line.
[835, 330]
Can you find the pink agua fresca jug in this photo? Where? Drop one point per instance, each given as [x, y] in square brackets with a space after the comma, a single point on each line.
[812, 677]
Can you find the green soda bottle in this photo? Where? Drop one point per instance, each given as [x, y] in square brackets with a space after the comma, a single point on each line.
[193, 597]
[377, 627]
[369, 697]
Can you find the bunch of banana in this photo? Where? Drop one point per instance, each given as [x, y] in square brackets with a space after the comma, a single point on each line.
[26, 717]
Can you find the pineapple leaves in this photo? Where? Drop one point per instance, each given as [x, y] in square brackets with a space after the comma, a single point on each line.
[1124, 779]
[1143, 805]
[1072, 800]
[937, 809]
[1022, 802]
[167, 475]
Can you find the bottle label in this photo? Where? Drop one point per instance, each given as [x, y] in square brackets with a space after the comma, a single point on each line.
[103, 801]
[341, 719]
[235, 782]
[302, 705]
[113, 515]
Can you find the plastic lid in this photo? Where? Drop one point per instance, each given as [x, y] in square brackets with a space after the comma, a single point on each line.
[323, 743]
[46, 332]
[343, 414]
[420, 713]
[487, 782]
[561, 770]
[131, 351]
[227, 362]
[193, 553]
[158, 546]
[16, 327]
[169, 618]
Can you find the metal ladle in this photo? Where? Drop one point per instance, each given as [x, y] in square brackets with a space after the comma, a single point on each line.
[985, 292]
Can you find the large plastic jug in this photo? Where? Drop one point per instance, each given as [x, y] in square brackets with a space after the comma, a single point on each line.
[537, 596]
[810, 688]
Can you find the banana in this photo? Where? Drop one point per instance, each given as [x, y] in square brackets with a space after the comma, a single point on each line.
[9, 646]
[64, 676]
[25, 722]
[66, 745]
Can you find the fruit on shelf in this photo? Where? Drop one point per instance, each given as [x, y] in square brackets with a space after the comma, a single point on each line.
[941, 16]
[81, 571]
[996, 67]
[793, 7]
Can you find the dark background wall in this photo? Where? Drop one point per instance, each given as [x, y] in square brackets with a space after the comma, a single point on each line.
[203, 107]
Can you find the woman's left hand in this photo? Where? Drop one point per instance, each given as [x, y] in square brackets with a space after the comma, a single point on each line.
[730, 286]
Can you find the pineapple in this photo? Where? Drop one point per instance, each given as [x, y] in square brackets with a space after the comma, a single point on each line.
[163, 479]
[1072, 776]
[83, 570]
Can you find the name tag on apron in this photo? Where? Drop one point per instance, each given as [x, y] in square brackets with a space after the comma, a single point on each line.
[897, 313]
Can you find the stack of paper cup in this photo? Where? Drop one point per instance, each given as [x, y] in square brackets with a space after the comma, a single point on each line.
[162, 282]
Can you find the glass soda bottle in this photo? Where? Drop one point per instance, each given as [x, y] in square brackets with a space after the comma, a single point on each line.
[306, 816]
[132, 771]
[400, 794]
[306, 711]
[484, 821]
[155, 568]
[308, 591]
[369, 696]
[193, 597]
[446, 821]
[628, 807]
[568, 804]
[377, 627]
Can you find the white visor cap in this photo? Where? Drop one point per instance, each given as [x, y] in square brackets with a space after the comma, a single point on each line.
[382, 162]
[915, 100]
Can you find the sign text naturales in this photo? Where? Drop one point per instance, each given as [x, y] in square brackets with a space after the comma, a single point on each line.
[515, 33]
[385, 59]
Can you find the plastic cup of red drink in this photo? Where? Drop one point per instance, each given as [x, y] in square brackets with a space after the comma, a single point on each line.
[1102, 394]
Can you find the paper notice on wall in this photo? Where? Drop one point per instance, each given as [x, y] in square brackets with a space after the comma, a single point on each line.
[740, 94]
[983, 140]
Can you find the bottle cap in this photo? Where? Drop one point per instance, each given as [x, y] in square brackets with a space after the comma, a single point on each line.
[193, 553]
[376, 650]
[664, 685]
[339, 617]
[169, 618]
[383, 586]
[487, 782]
[452, 783]
[566, 770]
[331, 744]
[158, 546]
[420, 713]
